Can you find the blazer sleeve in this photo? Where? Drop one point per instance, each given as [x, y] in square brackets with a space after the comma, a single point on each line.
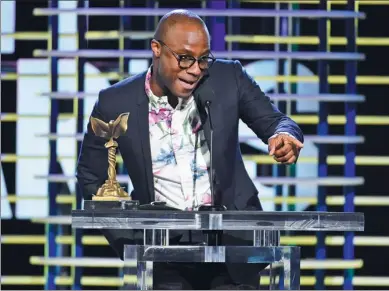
[257, 111]
[92, 163]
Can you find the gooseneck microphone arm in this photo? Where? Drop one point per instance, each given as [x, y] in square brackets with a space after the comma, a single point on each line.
[213, 237]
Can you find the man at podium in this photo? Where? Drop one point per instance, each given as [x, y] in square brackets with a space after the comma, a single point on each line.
[182, 147]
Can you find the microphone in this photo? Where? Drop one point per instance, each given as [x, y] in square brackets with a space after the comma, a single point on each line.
[212, 175]
[208, 111]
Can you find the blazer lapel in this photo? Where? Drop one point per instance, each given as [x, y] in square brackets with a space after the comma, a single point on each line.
[202, 94]
[143, 129]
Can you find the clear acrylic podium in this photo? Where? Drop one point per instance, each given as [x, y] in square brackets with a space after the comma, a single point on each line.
[265, 227]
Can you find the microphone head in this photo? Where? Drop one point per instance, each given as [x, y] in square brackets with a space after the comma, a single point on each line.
[208, 103]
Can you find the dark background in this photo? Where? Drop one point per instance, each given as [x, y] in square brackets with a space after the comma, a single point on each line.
[15, 258]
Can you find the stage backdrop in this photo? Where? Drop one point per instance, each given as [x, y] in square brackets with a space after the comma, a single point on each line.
[27, 117]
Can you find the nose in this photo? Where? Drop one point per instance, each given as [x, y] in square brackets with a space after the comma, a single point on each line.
[194, 70]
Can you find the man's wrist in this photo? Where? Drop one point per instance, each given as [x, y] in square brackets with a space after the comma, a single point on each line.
[281, 132]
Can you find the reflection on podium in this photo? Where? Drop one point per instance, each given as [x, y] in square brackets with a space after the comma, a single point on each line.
[283, 271]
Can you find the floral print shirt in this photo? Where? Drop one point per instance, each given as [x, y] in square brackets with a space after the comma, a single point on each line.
[179, 152]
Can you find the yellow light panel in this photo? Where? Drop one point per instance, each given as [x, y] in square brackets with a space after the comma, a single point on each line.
[301, 240]
[305, 40]
[332, 2]
[377, 281]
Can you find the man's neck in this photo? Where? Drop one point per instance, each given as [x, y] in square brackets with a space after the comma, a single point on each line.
[173, 100]
[156, 87]
[158, 91]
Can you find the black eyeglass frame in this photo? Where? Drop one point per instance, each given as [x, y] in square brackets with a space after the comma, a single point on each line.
[183, 57]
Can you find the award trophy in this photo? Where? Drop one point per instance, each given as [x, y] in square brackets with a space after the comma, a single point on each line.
[111, 190]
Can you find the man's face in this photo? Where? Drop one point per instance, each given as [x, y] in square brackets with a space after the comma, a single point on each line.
[183, 42]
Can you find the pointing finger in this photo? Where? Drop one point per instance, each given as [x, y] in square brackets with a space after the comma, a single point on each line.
[297, 143]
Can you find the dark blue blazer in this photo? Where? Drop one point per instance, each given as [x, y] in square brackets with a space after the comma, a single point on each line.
[233, 94]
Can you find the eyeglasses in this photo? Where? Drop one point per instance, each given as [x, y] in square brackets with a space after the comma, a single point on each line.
[186, 61]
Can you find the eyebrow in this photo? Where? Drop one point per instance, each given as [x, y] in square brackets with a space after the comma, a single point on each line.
[184, 51]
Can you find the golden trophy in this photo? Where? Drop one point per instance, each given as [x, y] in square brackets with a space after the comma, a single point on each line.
[111, 190]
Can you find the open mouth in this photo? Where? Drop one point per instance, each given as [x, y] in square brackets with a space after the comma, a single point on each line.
[188, 85]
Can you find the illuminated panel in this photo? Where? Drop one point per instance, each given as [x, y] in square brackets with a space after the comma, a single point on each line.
[34, 73]
[8, 15]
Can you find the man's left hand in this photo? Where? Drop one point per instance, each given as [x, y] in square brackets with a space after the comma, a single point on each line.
[285, 149]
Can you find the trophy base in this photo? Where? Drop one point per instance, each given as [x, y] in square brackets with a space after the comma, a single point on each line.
[111, 191]
[110, 198]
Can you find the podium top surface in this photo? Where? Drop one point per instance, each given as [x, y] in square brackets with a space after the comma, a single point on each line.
[217, 220]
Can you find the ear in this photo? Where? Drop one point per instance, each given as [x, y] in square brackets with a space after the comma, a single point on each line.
[156, 48]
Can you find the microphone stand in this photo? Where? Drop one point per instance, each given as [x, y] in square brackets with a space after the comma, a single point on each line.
[213, 237]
